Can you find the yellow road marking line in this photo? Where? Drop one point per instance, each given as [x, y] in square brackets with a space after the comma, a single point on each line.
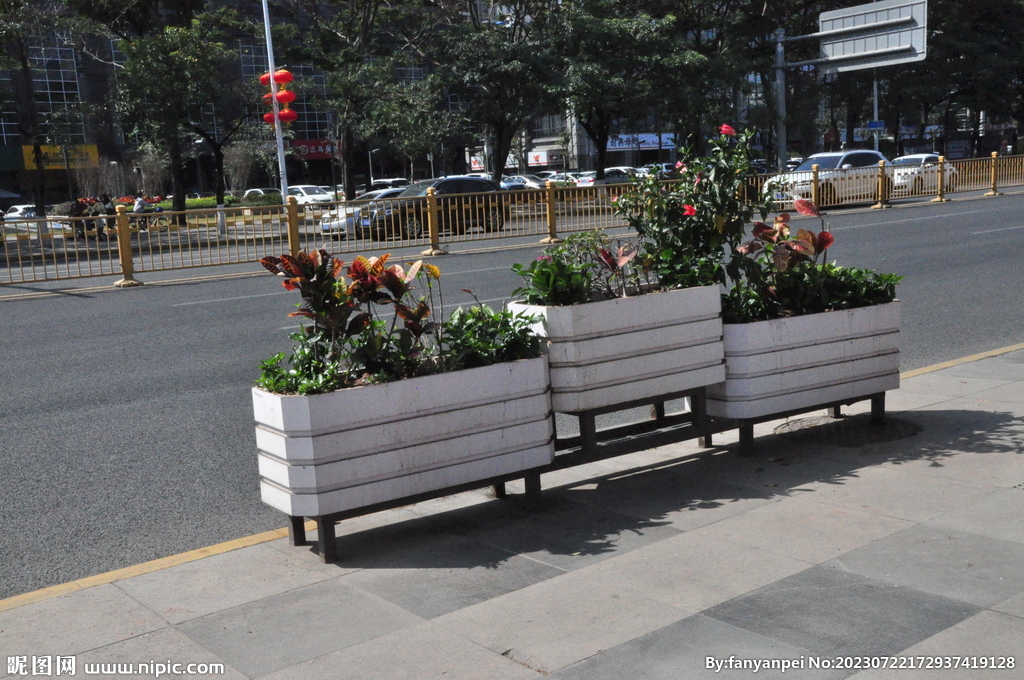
[963, 360]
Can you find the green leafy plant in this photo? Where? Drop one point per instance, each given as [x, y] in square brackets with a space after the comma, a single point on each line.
[686, 225]
[780, 274]
[367, 326]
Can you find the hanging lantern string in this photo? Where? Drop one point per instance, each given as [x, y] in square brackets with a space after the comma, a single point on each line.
[284, 97]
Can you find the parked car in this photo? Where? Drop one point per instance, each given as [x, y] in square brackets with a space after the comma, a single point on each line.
[613, 175]
[16, 212]
[309, 194]
[842, 176]
[512, 184]
[464, 203]
[530, 181]
[252, 193]
[389, 183]
[918, 174]
[346, 220]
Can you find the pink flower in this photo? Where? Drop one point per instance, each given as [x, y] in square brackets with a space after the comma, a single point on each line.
[727, 130]
[689, 210]
[615, 199]
[680, 165]
[544, 258]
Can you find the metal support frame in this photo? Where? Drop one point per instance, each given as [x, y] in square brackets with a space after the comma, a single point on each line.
[590, 446]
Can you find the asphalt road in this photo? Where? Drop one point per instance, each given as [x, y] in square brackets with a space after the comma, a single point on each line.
[125, 417]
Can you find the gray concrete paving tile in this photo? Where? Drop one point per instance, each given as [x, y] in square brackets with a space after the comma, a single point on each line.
[668, 492]
[152, 648]
[894, 492]
[836, 613]
[943, 384]
[420, 652]
[75, 623]
[562, 620]
[296, 626]
[1013, 605]
[898, 401]
[692, 572]
[682, 650]
[1012, 393]
[999, 515]
[572, 535]
[804, 529]
[375, 520]
[933, 559]
[987, 634]
[194, 589]
[455, 574]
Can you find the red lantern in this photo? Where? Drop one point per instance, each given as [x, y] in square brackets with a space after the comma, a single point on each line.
[281, 77]
[285, 96]
[268, 118]
[265, 79]
[288, 116]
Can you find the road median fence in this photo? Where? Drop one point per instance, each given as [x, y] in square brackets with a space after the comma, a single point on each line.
[128, 244]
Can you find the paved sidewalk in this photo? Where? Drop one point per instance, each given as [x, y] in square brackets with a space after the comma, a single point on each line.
[833, 541]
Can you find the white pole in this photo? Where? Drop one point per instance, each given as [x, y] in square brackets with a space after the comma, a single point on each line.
[277, 109]
[874, 79]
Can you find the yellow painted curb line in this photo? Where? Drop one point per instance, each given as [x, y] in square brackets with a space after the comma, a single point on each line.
[267, 536]
[963, 360]
[144, 568]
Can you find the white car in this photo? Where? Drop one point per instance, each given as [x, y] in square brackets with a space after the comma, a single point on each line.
[253, 193]
[918, 174]
[613, 175]
[309, 194]
[842, 176]
[346, 220]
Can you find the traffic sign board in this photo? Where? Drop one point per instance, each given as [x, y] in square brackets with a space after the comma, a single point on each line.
[873, 35]
[876, 124]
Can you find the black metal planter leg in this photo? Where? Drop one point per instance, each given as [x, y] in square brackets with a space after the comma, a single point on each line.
[746, 440]
[878, 409]
[297, 530]
[326, 540]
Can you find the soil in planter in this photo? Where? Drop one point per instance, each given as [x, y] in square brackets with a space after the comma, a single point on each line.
[849, 432]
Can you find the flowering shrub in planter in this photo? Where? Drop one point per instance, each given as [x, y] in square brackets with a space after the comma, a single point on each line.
[800, 332]
[637, 319]
[379, 402]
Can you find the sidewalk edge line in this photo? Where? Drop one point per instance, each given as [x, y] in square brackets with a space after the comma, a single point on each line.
[963, 360]
[144, 568]
[267, 536]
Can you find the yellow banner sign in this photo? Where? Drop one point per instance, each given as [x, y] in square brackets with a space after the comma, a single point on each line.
[78, 156]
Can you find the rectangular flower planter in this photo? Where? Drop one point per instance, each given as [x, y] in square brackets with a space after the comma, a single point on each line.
[357, 447]
[800, 362]
[630, 349]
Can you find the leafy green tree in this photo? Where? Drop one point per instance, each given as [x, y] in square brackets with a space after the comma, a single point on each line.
[612, 61]
[24, 26]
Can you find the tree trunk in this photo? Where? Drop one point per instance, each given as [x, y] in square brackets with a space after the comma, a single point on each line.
[218, 167]
[347, 142]
[501, 144]
[598, 128]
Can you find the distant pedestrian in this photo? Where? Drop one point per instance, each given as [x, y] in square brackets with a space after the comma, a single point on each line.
[109, 211]
[140, 209]
[75, 214]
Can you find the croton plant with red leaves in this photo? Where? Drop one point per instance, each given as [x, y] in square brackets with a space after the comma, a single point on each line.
[778, 274]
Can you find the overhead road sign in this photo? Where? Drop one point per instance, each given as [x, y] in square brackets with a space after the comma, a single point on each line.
[873, 35]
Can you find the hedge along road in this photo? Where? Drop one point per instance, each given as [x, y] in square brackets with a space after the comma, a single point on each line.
[126, 418]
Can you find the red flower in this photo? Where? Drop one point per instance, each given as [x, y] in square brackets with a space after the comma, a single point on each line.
[824, 240]
[689, 210]
[727, 130]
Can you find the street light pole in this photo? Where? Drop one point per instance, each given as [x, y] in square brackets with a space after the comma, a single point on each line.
[369, 187]
[283, 171]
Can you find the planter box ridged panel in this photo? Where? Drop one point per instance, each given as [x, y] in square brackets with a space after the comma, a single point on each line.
[800, 362]
[629, 349]
[399, 439]
[316, 504]
[386, 464]
[371, 405]
[409, 431]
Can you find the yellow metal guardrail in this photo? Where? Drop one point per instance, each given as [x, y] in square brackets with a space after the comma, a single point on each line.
[127, 244]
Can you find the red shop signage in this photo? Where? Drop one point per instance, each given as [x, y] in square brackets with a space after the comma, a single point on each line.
[313, 149]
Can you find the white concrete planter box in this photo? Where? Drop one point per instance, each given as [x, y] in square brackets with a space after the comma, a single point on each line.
[365, 445]
[802, 361]
[628, 349]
